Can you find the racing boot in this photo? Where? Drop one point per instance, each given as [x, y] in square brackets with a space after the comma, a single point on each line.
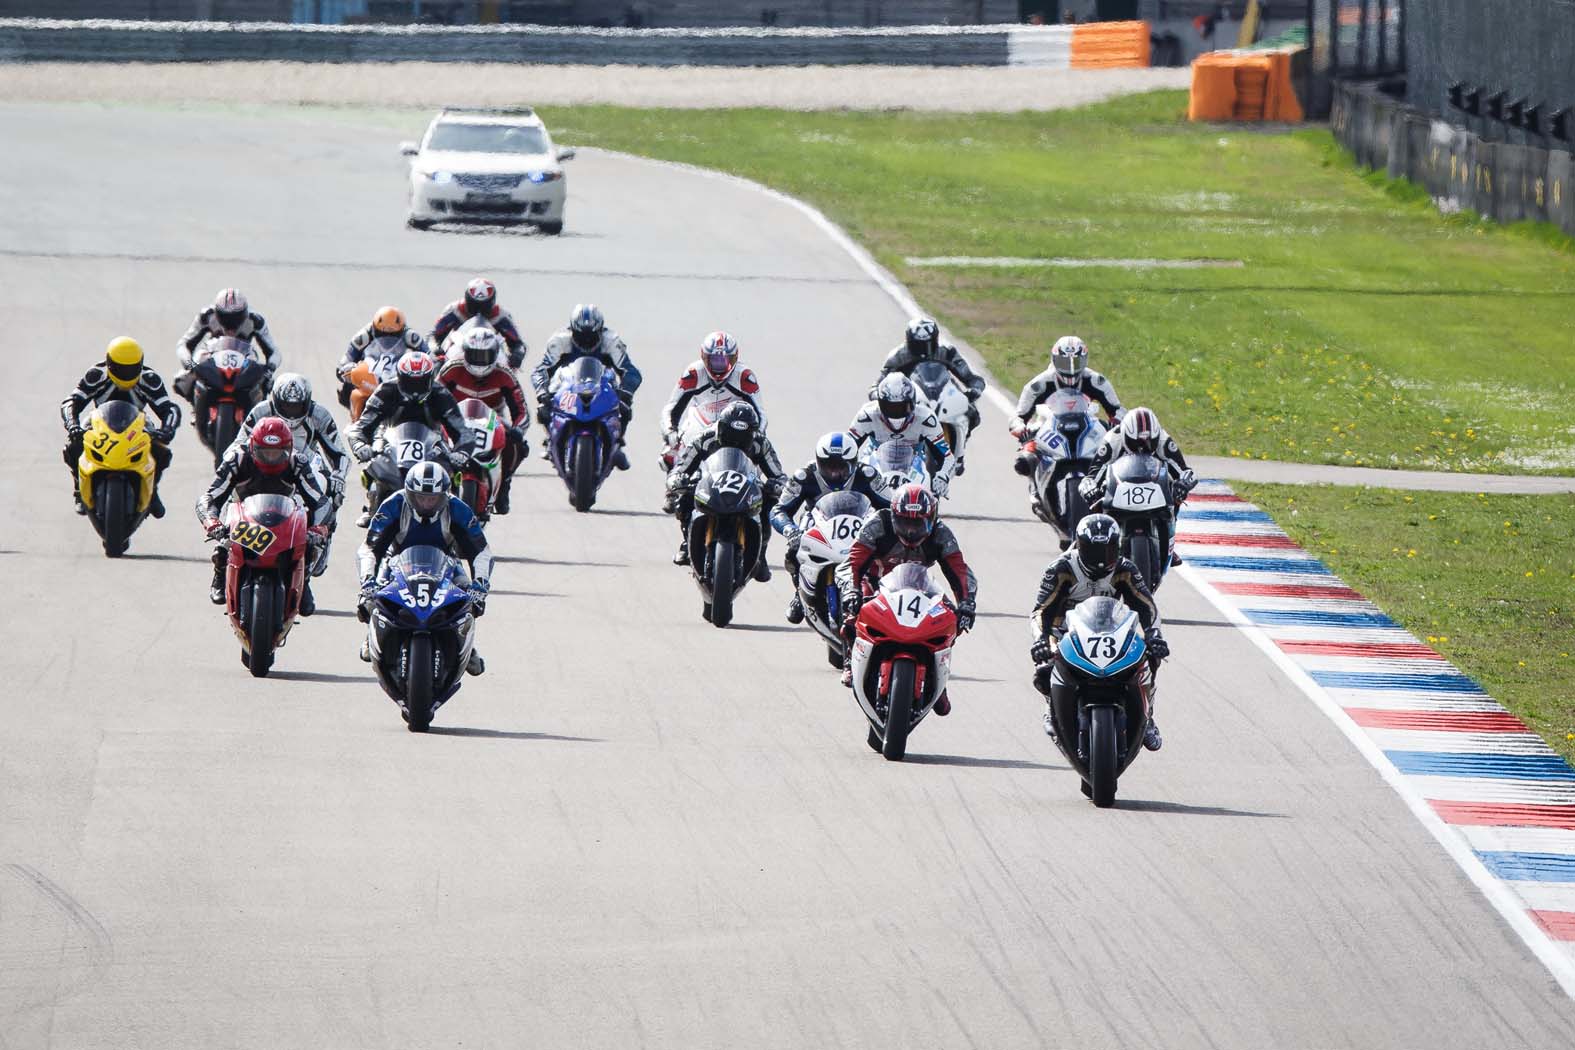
[762, 571]
[366, 650]
[1152, 741]
[1049, 723]
[364, 518]
[308, 603]
[216, 588]
[1175, 559]
[943, 705]
[682, 556]
[156, 505]
[847, 672]
[76, 497]
[795, 609]
[475, 665]
[620, 458]
[501, 503]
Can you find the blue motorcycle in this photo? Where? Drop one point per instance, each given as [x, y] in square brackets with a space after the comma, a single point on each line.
[585, 428]
[423, 629]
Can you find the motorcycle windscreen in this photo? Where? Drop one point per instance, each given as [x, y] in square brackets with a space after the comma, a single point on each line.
[269, 508]
[411, 443]
[837, 504]
[894, 457]
[910, 576]
[726, 459]
[1101, 615]
[1137, 468]
[586, 375]
[931, 377]
[118, 416]
[421, 560]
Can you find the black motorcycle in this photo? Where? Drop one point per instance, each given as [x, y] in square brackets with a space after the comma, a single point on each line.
[229, 379]
[724, 530]
[1140, 495]
[423, 628]
[1099, 693]
[400, 449]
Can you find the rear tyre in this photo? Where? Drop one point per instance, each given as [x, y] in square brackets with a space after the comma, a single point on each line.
[224, 431]
[1076, 506]
[899, 710]
[873, 740]
[261, 631]
[834, 656]
[723, 574]
[113, 503]
[584, 474]
[552, 229]
[1144, 554]
[470, 493]
[418, 684]
[1102, 748]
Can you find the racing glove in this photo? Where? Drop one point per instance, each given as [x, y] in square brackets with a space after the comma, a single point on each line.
[1017, 428]
[1089, 490]
[965, 615]
[940, 485]
[1188, 480]
[1158, 648]
[543, 413]
[457, 459]
[364, 452]
[1042, 652]
[478, 597]
[794, 537]
[216, 529]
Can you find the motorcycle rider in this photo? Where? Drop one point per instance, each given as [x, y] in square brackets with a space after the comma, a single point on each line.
[1068, 371]
[737, 427]
[426, 513]
[411, 396]
[907, 531]
[480, 300]
[1140, 432]
[716, 371]
[894, 416]
[922, 342]
[230, 315]
[1093, 567]
[588, 336]
[315, 433]
[267, 462]
[477, 371]
[834, 468]
[387, 326]
[121, 376]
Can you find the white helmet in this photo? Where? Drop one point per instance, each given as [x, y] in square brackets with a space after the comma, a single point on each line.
[481, 347]
[292, 396]
[426, 489]
[835, 455]
[1069, 357]
[895, 396]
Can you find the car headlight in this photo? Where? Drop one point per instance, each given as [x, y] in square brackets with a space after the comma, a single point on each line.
[437, 176]
[545, 176]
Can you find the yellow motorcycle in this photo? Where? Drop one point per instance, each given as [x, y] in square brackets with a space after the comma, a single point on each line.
[115, 473]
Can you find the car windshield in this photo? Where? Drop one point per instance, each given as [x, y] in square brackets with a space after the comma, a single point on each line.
[462, 137]
[1102, 615]
[909, 576]
[837, 504]
[421, 561]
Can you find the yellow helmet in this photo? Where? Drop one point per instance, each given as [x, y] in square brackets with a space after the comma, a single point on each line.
[123, 359]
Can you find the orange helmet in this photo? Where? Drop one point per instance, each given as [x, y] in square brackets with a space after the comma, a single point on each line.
[390, 320]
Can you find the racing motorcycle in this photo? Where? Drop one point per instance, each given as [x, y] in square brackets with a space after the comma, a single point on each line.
[1099, 693]
[423, 628]
[724, 531]
[585, 428]
[453, 347]
[829, 531]
[898, 463]
[229, 379]
[372, 371]
[270, 544]
[704, 409]
[482, 472]
[939, 390]
[1059, 455]
[902, 655]
[115, 473]
[1139, 495]
[399, 448]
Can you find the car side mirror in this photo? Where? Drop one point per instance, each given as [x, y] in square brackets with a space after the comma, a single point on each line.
[566, 153]
[408, 149]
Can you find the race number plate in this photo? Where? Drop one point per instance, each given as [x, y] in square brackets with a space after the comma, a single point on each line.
[1145, 496]
[252, 537]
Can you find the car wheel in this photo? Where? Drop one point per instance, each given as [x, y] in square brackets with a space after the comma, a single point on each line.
[552, 228]
[418, 224]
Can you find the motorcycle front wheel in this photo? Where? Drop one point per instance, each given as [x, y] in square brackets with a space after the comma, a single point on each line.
[1103, 750]
[224, 430]
[261, 631]
[113, 504]
[899, 710]
[418, 683]
[724, 559]
[584, 474]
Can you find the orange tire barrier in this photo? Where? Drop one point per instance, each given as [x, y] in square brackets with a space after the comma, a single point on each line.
[1110, 45]
[1243, 85]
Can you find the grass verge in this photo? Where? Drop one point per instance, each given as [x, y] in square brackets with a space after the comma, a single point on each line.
[1364, 328]
[1487, 580]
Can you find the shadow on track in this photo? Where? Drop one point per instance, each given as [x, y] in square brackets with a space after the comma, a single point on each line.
[632, 513]
[783, 628]
[519, 560]
[322, 676]
[1004, 616]
[1147, 806]
[503, 734]
[970, 678]
[335, 613]
[524, 594]
[1198, 623]
[168, 557]
[1006, 519]
[971, 762]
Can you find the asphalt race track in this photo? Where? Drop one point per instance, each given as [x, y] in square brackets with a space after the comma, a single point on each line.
[635, 829]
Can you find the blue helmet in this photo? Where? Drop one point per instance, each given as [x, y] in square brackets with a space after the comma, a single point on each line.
[835, 454]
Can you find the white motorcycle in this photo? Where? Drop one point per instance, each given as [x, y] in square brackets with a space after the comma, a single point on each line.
[939, 391]
[704, 409]
[829, 529]
[898, 463]
[1067, 432]
[902, 656]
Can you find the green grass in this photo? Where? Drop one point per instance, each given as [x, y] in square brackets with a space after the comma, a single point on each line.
[1487, 580]
[1364, 329]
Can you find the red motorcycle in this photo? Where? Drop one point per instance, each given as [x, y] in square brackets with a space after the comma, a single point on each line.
[482, 473]
[230, 379]
[270, 545]
[902, 656]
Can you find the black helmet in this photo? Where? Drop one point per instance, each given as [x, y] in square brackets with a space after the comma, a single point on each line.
[737, 425]
[923, 336]
[585, 326]
[230, 308]
[292, 395]
[1098, 545]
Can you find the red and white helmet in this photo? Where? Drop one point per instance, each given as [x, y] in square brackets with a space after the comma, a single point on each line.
[1140, 431]
[719, 354]
[271, 445]
[913, 514]
[480, 297]
[230, 309]
[414, 373]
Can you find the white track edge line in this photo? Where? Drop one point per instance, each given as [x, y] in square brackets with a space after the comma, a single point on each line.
[1503, 899]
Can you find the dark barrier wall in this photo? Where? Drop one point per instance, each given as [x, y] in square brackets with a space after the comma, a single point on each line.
[1507, 52]
[106, 41]
[1460, 170]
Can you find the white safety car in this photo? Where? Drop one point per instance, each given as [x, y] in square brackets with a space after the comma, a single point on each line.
[487, 165]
